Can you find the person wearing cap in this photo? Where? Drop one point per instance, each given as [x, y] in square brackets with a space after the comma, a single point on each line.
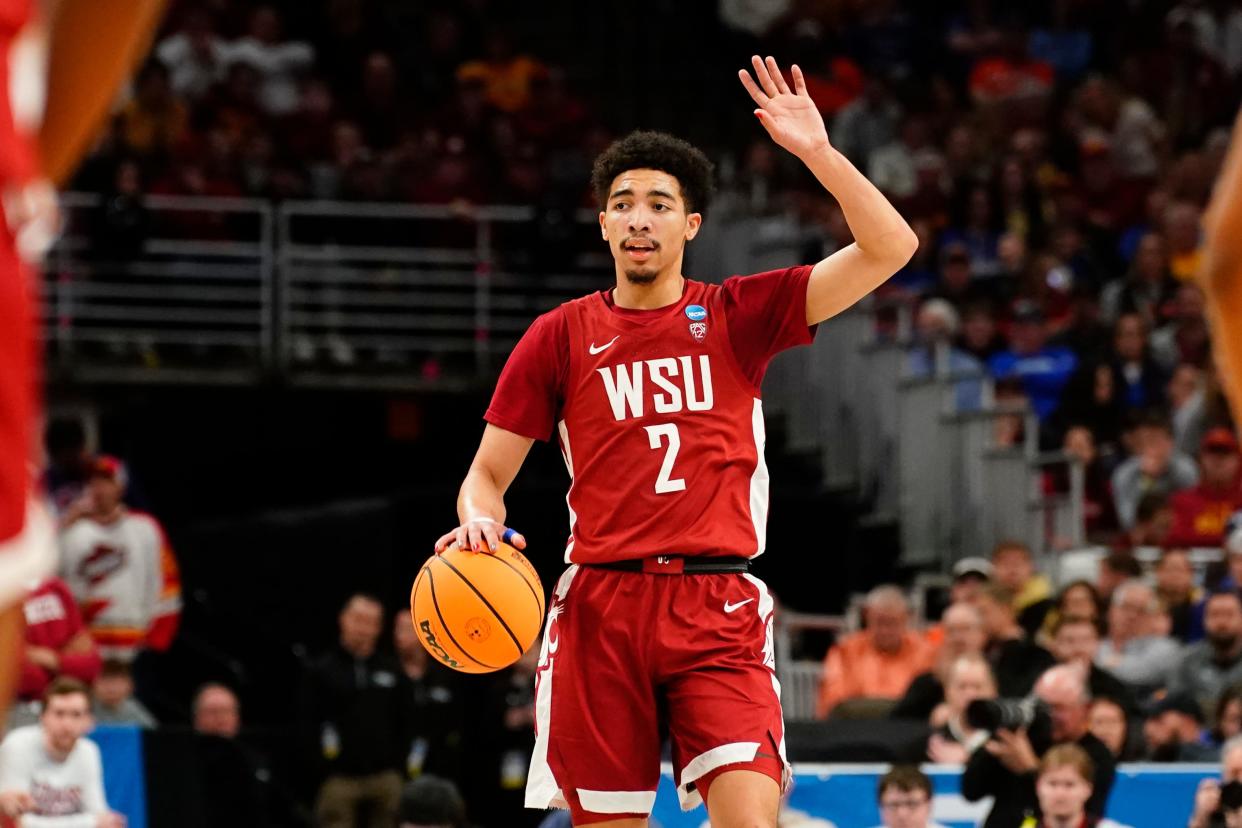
[1155, 467]
[1173, 730]
[1207, 667]
[1043, 369]
[1200, 512]
[121, 569]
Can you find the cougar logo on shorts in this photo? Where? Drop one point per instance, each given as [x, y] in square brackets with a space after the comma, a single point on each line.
[434, 645]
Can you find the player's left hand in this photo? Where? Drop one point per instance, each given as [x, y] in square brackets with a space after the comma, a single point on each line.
[789, 116]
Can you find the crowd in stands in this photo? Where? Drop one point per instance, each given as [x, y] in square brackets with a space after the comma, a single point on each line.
[1133, 665]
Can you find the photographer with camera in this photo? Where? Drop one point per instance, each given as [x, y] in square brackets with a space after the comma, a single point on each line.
[1023, 730]
[1218, 804]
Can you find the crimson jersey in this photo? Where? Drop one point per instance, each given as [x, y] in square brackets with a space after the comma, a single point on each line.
[17, 334]
[658, 413]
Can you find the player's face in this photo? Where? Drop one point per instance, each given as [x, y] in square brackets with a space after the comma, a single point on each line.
[646, 225]
[65, 719]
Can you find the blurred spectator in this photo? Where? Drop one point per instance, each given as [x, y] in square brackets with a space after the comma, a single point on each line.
[216, 711]
[1139, 379]
[68, 462]
[980, 338]
[503, 749]
[1078, 599]
[1130, 126]
[51, 771]
[438, 707]
[1207, 811]
[1144, 662]
[1097, 498]
[506, 75]
[1153, 520]
[963, 636]
[1076, 640]
[1200, 513]
[905, 796]
[1116, 568]
[1108, 721]
[1064, 785]
[866, 123]
[357, 711]
[278, 62]
[121, 569]
[1016, 660]
[957, 284]
[1146, 287]
[1207, 667]
[877, 662]
[1004, 767]
[431, 802]
[1181, 227]
[1173, 730]
[1187, 396]
[934, 355]
[195, 56]
[951, 743]
[976, 227]
[970, 575]
[1175, 587]
[1184, 339]
[1154, 467]
[1091, 399]
[114, 701]
[1228, 714]
[57, 643]
[154, 123]
[1043, 369]
[891, 167]
[121, 226]
[1032, 593]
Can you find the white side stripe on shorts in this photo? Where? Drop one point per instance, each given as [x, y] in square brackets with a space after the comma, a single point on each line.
[704, 763]
[617, 802]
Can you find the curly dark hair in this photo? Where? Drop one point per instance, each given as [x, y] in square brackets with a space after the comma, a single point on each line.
[650, 150]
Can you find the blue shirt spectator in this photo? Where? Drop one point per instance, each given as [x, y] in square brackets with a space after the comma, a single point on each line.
[1043, 369]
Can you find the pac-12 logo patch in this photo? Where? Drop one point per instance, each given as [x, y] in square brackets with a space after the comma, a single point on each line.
[698, 330]
[696, 313]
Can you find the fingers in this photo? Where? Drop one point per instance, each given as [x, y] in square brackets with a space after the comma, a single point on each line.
[777, 77]
[765, 80]
[515, 538]
[480, 536]
[756, 93]
[445, 540]
[799, 81]
[491, 536]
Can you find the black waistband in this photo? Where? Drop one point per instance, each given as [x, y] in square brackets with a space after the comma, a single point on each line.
[677, 565]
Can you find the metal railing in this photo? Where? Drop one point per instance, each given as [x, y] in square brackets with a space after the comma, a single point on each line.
[236, 290]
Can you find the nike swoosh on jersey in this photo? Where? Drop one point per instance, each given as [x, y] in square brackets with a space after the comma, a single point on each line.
[731, 607]
[601, 348]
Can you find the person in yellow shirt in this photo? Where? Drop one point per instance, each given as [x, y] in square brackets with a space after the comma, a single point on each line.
[1032, 593]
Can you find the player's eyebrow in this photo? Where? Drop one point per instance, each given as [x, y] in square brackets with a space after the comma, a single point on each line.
[627, 191]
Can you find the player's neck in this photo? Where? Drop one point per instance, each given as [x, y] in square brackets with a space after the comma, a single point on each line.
[664, 291]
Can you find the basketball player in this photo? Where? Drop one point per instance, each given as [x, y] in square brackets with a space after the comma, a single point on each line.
[1221, 273]
[652, 388]
[70, 54]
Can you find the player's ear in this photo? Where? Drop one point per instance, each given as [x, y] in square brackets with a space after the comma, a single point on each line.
[693, 222]
[603, 228]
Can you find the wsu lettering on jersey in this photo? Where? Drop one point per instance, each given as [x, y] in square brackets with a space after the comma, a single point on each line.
[674, 385]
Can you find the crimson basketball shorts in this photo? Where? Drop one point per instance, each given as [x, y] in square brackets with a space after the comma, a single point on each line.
[629, 658]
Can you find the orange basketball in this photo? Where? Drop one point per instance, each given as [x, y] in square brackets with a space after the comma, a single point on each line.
[477, 612]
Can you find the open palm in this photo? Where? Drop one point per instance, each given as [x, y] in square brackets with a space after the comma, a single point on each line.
[789, 116]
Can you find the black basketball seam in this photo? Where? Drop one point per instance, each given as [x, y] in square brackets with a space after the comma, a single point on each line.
[538, 597]
[487, 604]
[431, 579]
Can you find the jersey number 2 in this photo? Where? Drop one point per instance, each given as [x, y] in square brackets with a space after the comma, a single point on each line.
[665, 484]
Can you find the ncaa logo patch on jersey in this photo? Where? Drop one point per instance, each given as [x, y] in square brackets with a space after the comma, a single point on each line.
[696, 313]
[698, 330]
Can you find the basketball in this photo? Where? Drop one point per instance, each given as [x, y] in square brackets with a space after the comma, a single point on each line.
[477, 612]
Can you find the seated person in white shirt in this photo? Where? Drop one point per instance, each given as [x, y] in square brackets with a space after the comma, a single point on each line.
[51, 776]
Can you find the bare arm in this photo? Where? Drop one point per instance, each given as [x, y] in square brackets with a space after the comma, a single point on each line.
[480, 503]
[883, 241]
[1221, 276]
